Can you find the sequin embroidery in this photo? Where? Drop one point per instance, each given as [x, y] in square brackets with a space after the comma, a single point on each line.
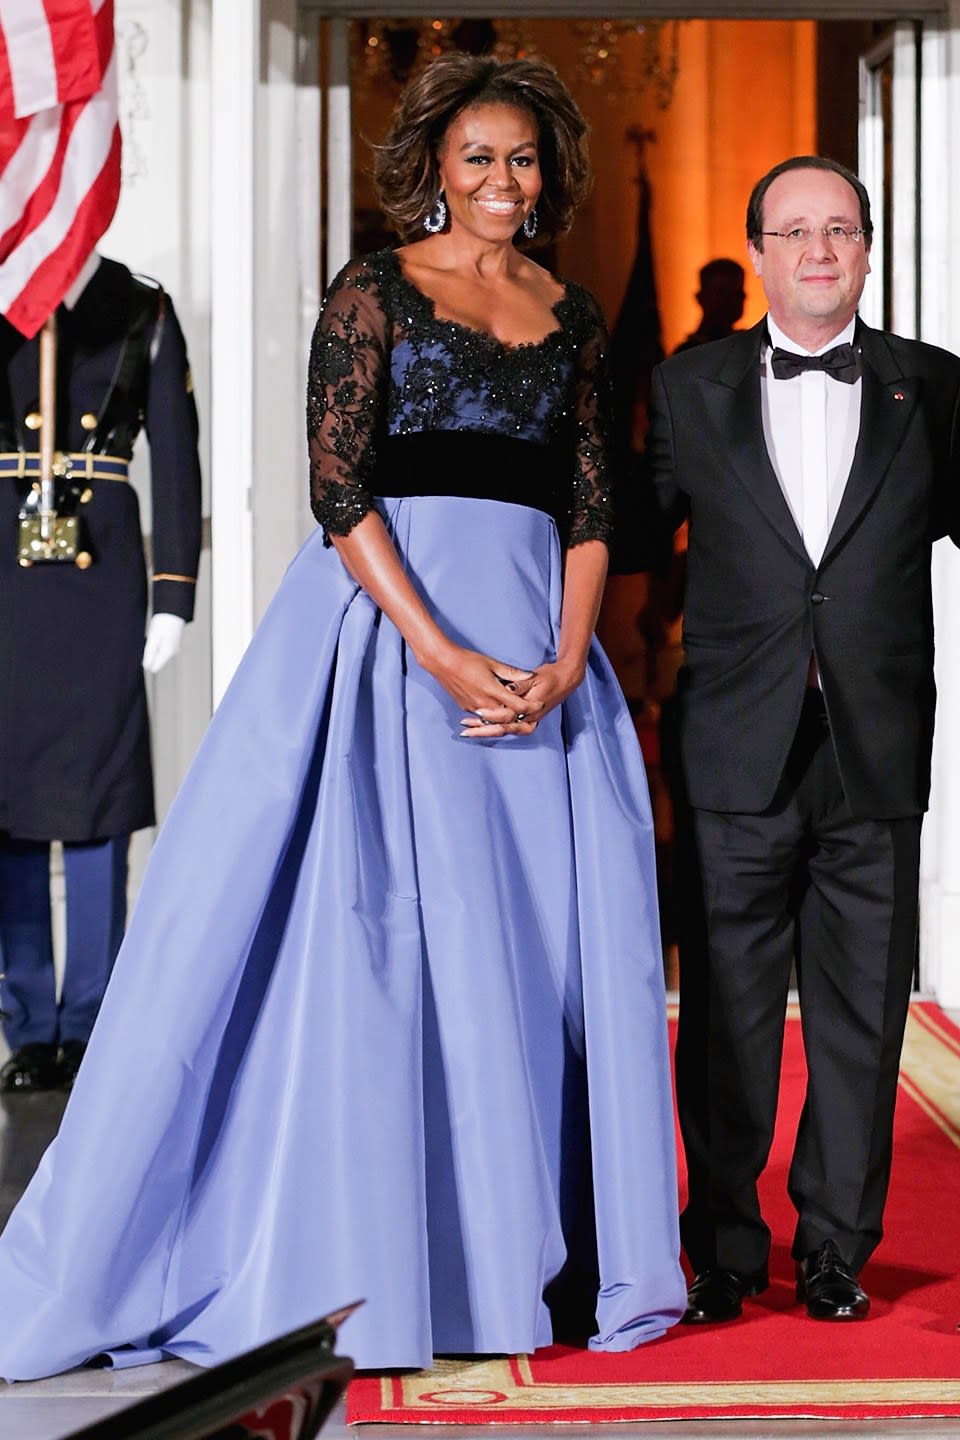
[382, 363]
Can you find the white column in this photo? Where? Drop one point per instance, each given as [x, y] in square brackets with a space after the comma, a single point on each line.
[940, 324]
[339, 148]
[903, 239]
[266, 273]
[900, 51]
[309, 205]
[235, 64]
[870, 148]
[162, 229]
[279, 480]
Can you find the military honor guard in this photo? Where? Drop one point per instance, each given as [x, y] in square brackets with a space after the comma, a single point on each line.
[74, 738]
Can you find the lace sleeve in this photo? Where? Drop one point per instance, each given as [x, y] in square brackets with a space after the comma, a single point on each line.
[591, 511]
[345, 388]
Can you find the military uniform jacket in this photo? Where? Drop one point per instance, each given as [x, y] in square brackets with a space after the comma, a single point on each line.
[74, 737]
[756, 606]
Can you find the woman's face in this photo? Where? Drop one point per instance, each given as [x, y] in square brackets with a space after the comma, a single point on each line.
[490, 170]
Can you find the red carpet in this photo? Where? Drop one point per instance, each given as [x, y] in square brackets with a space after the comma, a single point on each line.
[903, 1361]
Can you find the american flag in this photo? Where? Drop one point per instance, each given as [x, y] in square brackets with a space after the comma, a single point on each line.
[59, 148]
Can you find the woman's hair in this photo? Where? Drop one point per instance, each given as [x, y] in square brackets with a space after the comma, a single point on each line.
[405, 169]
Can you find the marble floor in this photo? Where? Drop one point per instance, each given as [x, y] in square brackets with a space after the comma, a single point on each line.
[53, 1409]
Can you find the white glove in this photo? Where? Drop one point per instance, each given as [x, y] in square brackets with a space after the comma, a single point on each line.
[163, 641]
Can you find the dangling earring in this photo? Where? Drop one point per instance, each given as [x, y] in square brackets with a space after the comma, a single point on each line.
[530, 225]
[437, 217]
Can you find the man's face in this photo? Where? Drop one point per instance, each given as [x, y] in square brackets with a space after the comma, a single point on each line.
[815, 287]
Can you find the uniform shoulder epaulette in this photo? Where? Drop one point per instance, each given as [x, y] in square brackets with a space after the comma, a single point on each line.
[148, 282]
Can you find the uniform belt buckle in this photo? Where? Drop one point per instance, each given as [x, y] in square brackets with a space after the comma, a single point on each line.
[48, 538]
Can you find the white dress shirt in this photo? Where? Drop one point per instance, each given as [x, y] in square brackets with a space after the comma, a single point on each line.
[811, 424]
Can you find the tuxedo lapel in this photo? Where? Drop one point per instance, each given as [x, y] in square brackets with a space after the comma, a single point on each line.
[887, 401]
[732, 400]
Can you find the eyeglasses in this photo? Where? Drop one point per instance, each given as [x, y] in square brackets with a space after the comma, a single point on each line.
[801, 235]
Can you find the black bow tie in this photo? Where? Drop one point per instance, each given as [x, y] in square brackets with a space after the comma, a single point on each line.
[842, 362]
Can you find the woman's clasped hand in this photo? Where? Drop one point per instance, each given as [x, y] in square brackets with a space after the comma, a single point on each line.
[500, 699]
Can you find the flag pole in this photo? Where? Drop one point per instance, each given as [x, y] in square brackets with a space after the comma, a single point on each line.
[48, 420]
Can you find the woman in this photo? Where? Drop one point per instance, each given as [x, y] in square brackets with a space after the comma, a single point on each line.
[407, 890]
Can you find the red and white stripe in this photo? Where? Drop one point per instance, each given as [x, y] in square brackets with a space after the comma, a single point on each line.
[59, 148]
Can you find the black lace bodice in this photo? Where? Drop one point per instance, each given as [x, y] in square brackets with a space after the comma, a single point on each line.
[382, 364]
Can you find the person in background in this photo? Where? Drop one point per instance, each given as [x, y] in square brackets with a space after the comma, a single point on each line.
[721, 298]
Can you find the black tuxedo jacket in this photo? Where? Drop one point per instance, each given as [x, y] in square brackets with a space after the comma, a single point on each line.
[756, 606]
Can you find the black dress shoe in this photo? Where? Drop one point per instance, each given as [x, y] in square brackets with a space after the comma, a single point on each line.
[717, 1295]
[829, 1287]
[71, 1054]
[32, 1067]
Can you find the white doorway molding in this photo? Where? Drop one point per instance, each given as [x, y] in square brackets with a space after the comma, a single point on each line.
[940, 324]
[649, 9]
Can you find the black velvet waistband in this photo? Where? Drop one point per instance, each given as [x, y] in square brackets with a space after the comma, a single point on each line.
[476, 466]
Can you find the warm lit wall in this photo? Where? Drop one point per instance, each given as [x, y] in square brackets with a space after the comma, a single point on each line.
[745, 98]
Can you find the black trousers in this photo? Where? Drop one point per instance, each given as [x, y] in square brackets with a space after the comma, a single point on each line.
[802, 882]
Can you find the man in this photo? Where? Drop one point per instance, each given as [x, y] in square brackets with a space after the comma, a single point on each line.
[721, 297]
[817, 460]
[74, 737]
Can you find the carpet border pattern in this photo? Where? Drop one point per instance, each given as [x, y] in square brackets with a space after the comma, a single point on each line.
[504, 1390]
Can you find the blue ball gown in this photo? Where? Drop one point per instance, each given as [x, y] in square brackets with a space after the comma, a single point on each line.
[389, 1019]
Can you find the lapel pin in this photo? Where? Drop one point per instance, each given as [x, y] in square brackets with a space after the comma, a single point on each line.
[899, 395]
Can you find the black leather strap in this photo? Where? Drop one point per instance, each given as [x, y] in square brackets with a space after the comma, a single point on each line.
[120, 414]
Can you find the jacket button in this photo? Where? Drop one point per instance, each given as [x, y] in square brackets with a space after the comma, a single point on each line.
[817, 598]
